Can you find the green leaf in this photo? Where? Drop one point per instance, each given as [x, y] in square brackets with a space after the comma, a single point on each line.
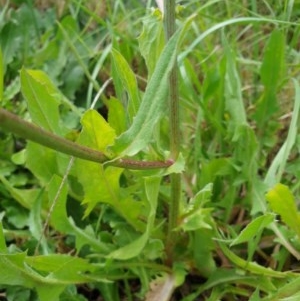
[53, 162]
[200, 219]
[233, 91]
[96, 132]
[19, 157]
[271, 74]
[12, 89]
[128, 82]
[255, 296]
[294, 297]
[287, 292]
[109, 291]
[71, 40]
[116, 115]
[153, 104]
[25, 197]
[203, 246]
[199, 200]
[11, 37]
[61, 267]
[60, 221]
[101, 184]
[151, 40]
[35, 222]
[255, 227]
[278, 165]
[17, 272]
[135, 248]
[59, 215]
[1, 75]
[213, 168]
[246, 151]
[43, 100]
[223, 276]
[42, 104]
[220, 25]
[250, 266]
[283, 203]
[35, 154]
[14, 293]
[3, 248]
[194, 216]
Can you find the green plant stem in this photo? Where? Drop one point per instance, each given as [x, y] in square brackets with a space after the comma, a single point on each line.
[169, 23]
[12, 123]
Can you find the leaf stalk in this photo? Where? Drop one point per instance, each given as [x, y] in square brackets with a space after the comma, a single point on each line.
[14, 124]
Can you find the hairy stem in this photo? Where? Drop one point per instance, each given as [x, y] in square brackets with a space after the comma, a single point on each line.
[169, 20]
[29, 131]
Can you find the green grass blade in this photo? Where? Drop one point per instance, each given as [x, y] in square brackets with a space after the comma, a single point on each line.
[233, 95]
[277, 167]
[218, 26]
[100, 62]
[66, 32]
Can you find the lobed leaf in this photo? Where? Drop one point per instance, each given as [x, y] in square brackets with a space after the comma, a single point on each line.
[61, 222]
[101, 185]
[61, 267]
[17, 272]
[135, 248]
[96, 132]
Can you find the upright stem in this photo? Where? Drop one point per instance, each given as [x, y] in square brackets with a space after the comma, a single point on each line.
[169, 22]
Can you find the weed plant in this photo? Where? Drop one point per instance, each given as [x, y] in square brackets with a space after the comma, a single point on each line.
[148, 155]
